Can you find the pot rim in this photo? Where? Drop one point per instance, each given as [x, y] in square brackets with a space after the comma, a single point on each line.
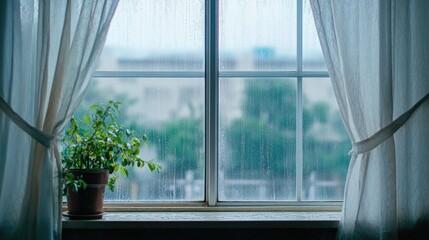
[87, 170]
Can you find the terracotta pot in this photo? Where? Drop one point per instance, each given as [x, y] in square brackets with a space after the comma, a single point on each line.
[87, 202]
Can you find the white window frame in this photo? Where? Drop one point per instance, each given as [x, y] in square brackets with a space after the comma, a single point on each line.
[211, 76]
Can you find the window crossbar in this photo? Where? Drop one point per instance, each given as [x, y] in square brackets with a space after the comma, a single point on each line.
[198, 74]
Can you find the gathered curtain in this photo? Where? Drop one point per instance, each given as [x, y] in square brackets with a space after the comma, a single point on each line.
[50, 49]
[377, 54]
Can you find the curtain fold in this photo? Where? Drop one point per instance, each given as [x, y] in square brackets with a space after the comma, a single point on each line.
[50, 49]
[377, 54]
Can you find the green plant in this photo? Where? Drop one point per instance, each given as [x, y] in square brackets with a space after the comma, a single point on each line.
[99, 141]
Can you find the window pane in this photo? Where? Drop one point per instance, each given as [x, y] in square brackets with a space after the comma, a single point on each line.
[312, 59]
[326, 144]
[171, 113]
[155, 35]
[257, 35]
[257, 139]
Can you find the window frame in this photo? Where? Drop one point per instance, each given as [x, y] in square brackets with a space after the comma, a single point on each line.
[211, 77]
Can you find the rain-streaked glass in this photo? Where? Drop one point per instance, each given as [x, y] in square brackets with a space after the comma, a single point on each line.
[257, 35]
[153, 35]
[257, 123]
[257, 116]
[325, 142]
[171, 113]
[312, 55]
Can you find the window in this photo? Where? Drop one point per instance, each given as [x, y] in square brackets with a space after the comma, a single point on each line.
[234, 97]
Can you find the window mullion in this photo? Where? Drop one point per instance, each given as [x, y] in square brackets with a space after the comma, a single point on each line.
[299, 107]
[212, 95]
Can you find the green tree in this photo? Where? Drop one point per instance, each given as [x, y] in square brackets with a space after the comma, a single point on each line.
[258, 148]
[263, 139]
[328, 157]
[273, 101]
[180, 143]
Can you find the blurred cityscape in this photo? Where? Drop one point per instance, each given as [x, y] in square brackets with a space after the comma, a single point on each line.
[257, 128]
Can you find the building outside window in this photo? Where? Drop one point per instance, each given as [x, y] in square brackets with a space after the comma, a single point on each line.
[265, 128]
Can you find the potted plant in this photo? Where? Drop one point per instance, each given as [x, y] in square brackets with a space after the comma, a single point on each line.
[96, 151]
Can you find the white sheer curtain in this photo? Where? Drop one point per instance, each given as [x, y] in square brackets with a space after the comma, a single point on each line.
[377, 53]
[50, 49]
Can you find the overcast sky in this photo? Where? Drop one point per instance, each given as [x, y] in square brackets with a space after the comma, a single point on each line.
[153, 26]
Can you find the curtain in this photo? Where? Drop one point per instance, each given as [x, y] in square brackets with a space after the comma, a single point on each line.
[377, 54]
[50, 49]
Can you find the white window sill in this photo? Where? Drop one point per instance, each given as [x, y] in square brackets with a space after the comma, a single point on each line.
[139, 220]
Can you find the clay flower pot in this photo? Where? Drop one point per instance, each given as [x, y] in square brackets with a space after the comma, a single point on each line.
[87, 203]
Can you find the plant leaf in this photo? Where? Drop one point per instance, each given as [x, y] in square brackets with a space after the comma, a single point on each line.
[86, 119]
[93, 107]
[151, 166]
[78, 137]
[124, 171]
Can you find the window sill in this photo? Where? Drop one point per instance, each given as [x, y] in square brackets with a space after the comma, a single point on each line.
[207, 220]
